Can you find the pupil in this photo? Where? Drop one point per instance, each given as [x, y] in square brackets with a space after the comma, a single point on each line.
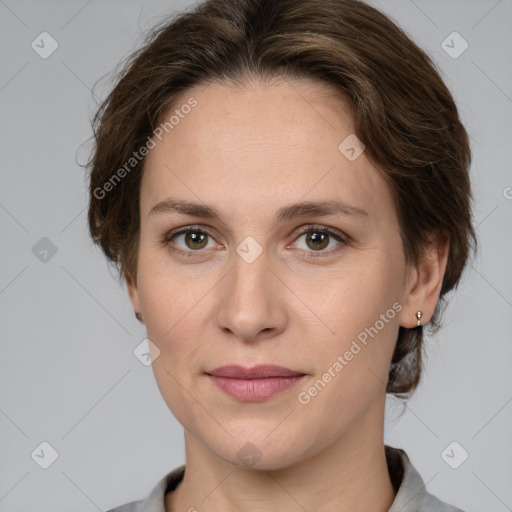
[195, 237]
[318, 239]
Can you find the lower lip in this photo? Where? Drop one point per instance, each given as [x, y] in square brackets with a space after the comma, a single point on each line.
[255, 390]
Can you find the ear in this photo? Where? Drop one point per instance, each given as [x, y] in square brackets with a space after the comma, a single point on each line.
[424, 283]
[133, 292]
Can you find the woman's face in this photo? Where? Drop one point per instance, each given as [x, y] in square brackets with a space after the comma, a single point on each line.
[256, 287]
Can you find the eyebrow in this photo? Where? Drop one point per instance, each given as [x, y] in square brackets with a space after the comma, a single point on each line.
[290, 212]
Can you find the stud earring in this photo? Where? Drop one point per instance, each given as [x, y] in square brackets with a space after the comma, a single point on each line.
[418, 316]
[138, 316]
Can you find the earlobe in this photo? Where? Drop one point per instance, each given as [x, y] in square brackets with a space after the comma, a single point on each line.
[131, 284]
[424, 285]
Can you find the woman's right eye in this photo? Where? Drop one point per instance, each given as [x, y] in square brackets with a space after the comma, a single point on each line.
[188, 240]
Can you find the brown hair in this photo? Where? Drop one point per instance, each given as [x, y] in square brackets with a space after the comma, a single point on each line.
[403, 112]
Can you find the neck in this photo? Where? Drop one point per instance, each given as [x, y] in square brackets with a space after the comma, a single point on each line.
[350, 473]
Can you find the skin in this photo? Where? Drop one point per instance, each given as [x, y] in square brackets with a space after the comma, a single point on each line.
[249, 151]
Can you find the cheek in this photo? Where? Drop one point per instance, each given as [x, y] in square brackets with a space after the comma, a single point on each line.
[355, 324]
[172, 312]
[171, 309]
[168, 296]
[351, 375]
[341, 302]
[173, 387]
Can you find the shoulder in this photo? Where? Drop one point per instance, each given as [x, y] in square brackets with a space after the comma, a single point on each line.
[412, 495]
[133, 506]
[155, 500]
[433, 504]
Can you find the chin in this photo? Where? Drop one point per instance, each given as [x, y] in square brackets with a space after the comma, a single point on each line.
[260, 451]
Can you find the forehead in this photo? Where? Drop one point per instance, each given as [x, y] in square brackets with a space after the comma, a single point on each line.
[276, 141]
[256, 113]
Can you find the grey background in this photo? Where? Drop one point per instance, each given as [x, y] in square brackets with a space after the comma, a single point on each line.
[68, 374]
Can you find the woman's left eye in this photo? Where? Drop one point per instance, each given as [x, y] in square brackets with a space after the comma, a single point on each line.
[317, 239]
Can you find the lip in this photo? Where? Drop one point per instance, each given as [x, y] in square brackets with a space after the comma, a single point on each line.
[254, 384]
[256, 372]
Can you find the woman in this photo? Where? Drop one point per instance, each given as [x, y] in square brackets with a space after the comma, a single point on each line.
[284, 187]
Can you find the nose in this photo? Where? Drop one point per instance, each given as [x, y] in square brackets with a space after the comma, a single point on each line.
[251, 301]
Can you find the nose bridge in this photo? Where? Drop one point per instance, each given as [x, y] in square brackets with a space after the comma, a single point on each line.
[249, 302]
[249, 278]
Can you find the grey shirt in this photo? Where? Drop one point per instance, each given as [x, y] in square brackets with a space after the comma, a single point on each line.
[411, 493]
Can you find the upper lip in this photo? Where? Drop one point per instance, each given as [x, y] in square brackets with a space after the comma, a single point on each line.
[255, 372]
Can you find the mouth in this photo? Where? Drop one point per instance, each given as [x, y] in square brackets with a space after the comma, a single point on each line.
[254, 384]
[256, 372]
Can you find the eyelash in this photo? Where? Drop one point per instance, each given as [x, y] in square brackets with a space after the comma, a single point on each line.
[168, 237]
